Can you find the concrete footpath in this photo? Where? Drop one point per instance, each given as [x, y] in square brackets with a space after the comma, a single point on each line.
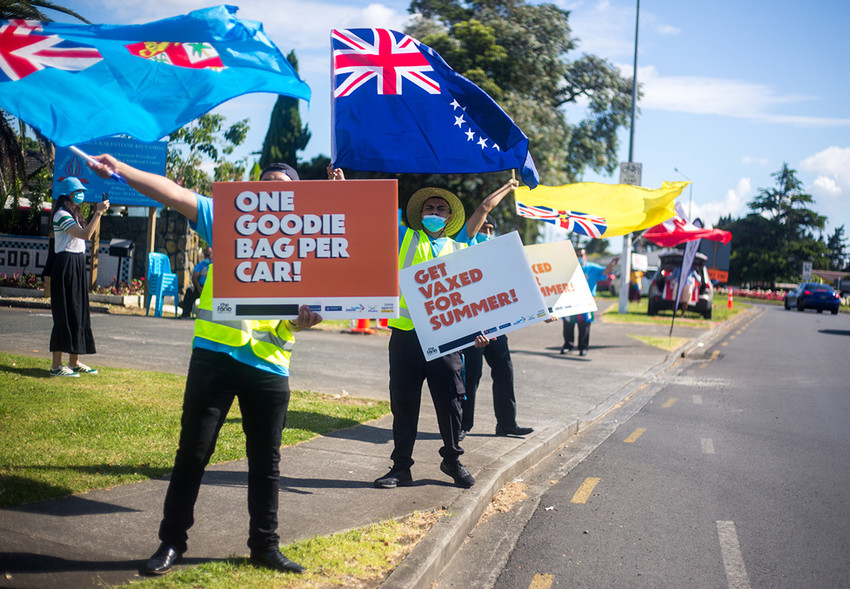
[104, 537]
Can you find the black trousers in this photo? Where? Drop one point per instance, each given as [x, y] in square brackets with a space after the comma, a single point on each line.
[189, 301]
[408, 370]
[498, 357]
[583, 333]
[213, 382]
[69, 305]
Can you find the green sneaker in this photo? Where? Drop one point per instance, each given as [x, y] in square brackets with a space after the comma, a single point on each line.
[81, 368]
[63, 371]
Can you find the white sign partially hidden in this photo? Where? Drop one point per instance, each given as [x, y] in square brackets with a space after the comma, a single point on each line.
[488, 288]
[560, 278]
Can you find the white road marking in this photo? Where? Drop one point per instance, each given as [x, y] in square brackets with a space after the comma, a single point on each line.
[733, 561]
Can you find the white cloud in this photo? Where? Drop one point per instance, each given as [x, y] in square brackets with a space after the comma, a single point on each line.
[831, 168]
[721, 97]
[734, 203]
[826, 185]
[754, 161]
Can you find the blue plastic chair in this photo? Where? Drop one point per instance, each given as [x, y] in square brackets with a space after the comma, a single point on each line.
[161, 283]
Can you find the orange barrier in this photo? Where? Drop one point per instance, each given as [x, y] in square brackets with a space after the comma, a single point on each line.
[362, 327]
[729, 301]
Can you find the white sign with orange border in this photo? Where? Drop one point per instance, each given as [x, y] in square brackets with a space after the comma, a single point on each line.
[560, 278]
[487, 288]
[330, 245]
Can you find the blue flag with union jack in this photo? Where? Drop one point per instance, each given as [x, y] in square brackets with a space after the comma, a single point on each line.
[399, 108]
[76, 83]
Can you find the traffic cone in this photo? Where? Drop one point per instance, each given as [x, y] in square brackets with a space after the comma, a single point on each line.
[383, 323]
[729, 301]
[362, 327]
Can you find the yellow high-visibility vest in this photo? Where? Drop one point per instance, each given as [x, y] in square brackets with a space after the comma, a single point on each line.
[270, 340]
[415, 249]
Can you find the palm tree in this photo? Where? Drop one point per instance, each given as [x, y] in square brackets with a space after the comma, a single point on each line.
[30, 9]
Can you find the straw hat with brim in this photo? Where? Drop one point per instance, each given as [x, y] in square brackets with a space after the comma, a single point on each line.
[414, 209]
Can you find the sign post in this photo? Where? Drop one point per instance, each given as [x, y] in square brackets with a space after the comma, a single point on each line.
[630, 173]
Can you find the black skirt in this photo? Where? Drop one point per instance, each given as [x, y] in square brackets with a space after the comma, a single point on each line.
[69, 303]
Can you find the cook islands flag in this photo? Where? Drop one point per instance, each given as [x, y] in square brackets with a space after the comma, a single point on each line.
[399, 108]
[76, 83]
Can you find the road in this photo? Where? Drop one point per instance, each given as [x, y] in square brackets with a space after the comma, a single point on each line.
[730, 474]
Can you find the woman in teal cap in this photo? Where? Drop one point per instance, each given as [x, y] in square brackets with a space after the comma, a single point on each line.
[69, 293]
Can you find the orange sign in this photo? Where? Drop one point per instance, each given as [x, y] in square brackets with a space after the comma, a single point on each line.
[330, 245]
[720, 276]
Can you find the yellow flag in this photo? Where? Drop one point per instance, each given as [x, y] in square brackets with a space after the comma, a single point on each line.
[599, 210]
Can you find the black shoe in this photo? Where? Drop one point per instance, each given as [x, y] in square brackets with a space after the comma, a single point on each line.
[458, 472]
[513, 431]
[274, 559]
[566, 349]
[163, 560]
[461, 435]
[397, 477]
[582, 352]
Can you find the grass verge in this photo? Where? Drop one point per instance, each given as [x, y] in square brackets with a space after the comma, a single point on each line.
[636, 313]
[668, 344]
[356, 559]
[60, 436]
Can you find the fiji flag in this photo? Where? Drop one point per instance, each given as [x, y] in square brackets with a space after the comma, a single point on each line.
[399, 108]
[76, 83]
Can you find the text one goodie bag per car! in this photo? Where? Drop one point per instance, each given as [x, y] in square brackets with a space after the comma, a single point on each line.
[330, 245]
[488, 288]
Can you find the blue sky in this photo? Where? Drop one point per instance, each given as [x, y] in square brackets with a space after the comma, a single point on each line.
[731, 89]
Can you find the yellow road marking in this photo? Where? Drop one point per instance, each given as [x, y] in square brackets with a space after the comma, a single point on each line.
[541, 581]
[635, 435]
[725, 344]
[669, 403]
[731, 337]
[585, 490]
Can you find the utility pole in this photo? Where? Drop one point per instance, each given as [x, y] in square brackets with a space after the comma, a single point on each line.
[626, 258]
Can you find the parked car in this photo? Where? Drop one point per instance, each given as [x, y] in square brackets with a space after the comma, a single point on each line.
[811, 295]
[662, 290]
[607, 284]
[645, 281]
[790, 299]
[647, 278]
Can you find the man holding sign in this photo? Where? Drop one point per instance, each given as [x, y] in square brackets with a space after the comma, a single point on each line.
[248, 360]
[432, 215]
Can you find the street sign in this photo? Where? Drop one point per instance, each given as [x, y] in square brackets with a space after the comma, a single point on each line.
[807, 271]
[630, 173]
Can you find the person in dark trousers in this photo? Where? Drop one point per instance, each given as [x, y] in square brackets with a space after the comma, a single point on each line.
[243, 360]
[432, 215]
[199, 277]
[479, 228]
[593, 273]
[69, 289]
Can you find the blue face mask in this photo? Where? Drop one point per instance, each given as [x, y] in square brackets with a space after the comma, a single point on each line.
[78, 197]
[484, 237]
[433, 223]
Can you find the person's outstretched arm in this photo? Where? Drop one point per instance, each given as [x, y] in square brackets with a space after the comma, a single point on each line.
[477, 218]
[154, 186]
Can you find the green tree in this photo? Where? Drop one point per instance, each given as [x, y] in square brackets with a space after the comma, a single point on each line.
[781, 233]
[518, 53]
[837, 245]
[285, 136]
[203, 139]
[31, 9]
